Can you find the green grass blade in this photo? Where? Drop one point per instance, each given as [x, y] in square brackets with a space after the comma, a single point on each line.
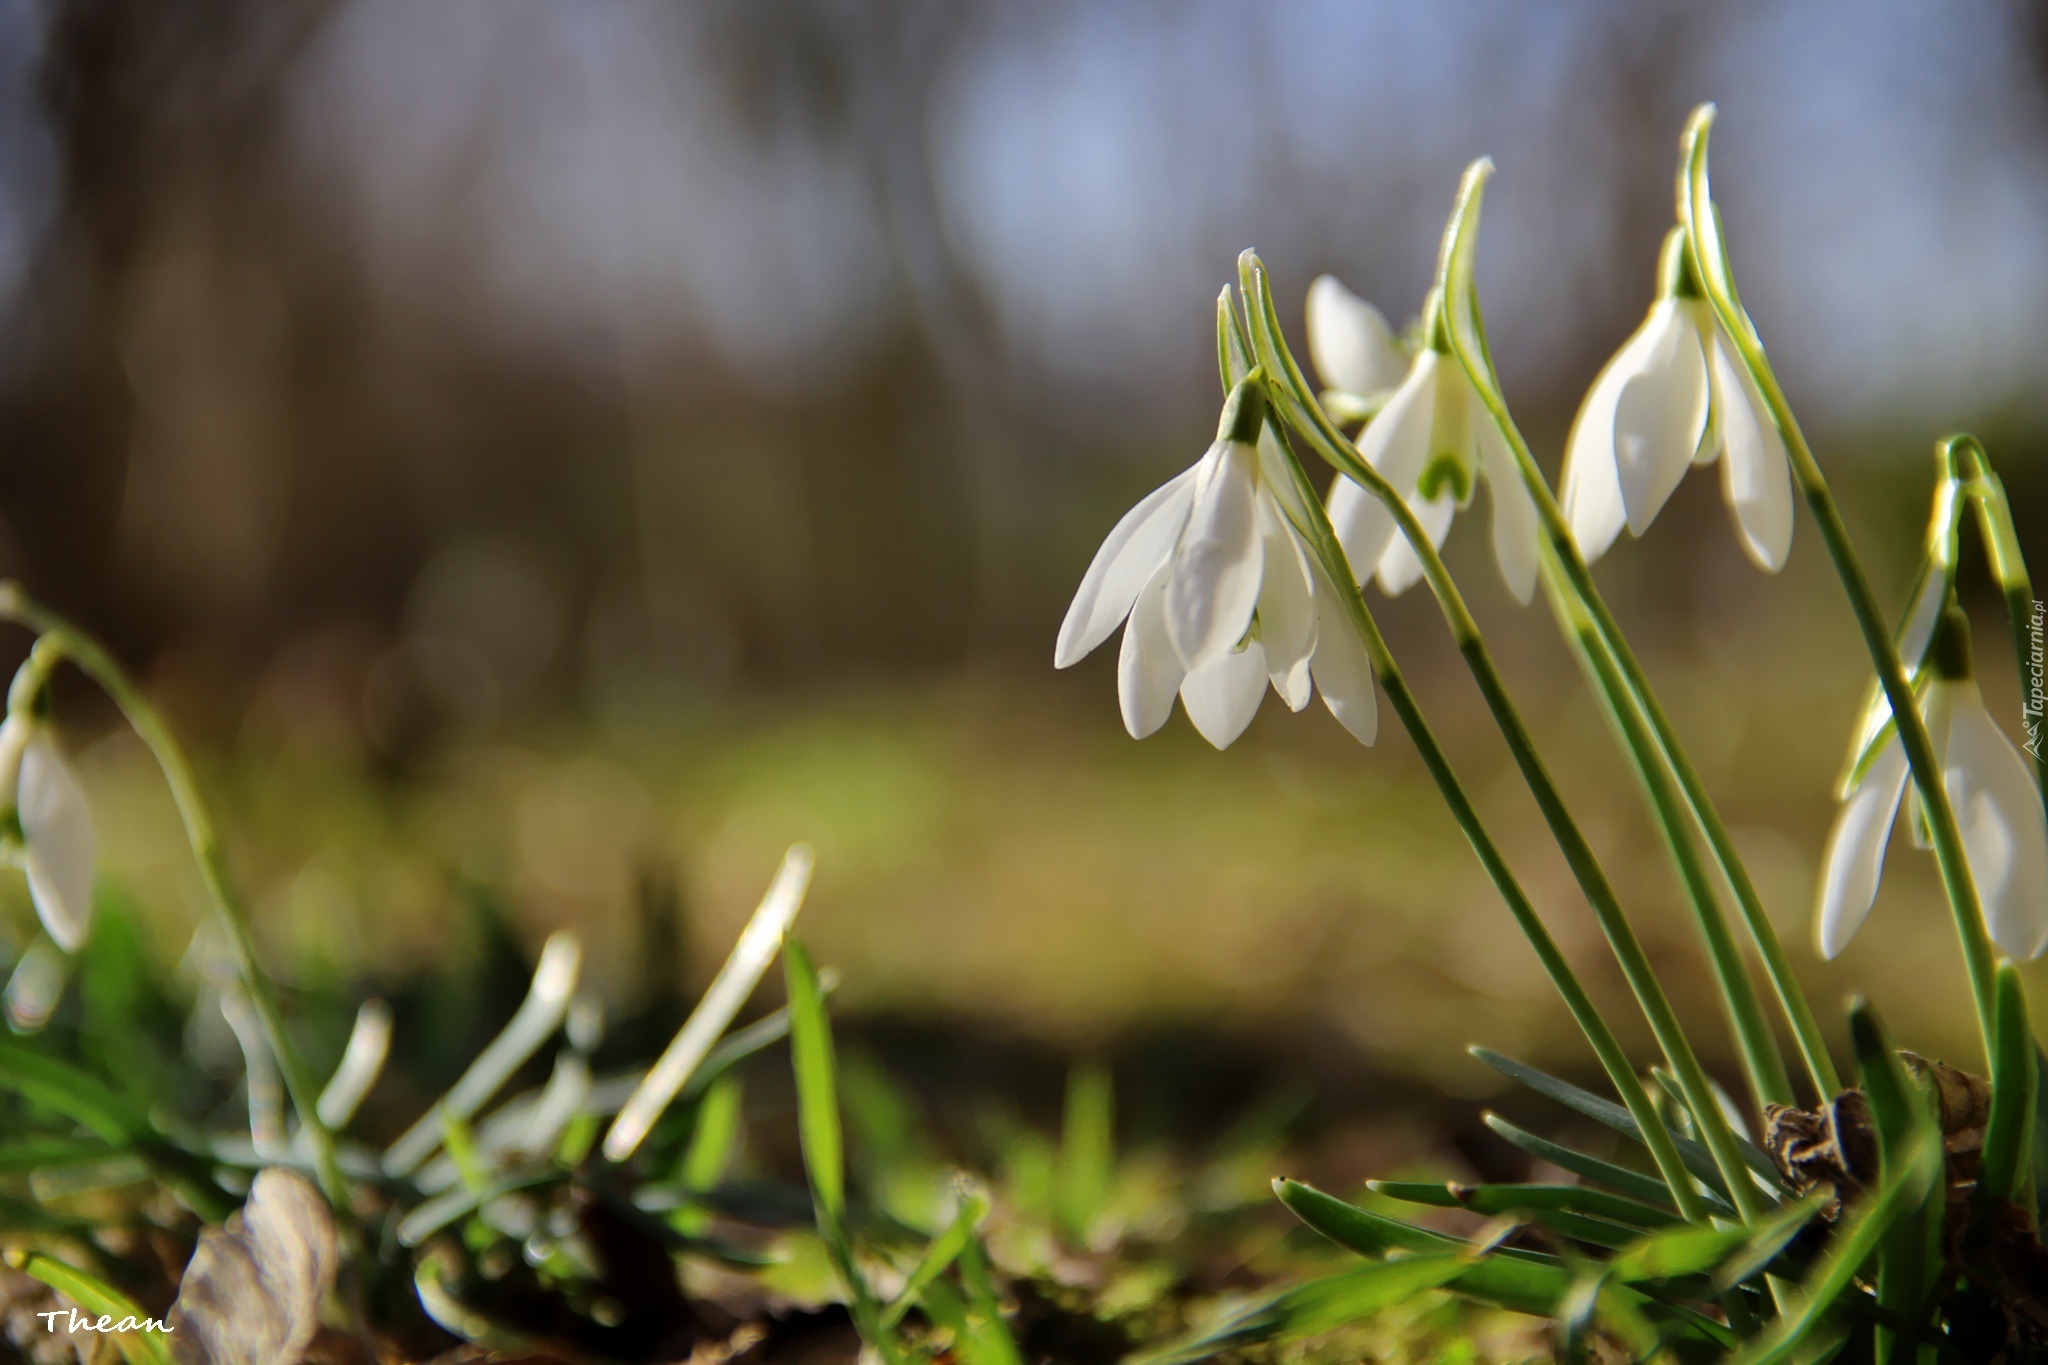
[2015, 1091]
[943, 1251]
[1315, 1306]
[988, 1340]
[90, 1292]
[1081, 1180]
[713, 1136]
[818, 1126]
[817, 1090]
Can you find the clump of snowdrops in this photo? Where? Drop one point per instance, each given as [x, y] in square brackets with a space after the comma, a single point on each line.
[1888, 1213]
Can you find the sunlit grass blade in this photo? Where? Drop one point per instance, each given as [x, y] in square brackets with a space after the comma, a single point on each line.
[1087, 1152]
[940, 1254]
[818, 1127]
[1315, 1306]
[97, 1297]
[1546, 1213]
[736, 979]
[988, 1340]
[538, 1016]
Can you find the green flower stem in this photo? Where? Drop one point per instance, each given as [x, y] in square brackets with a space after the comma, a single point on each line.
[1560, 551]
[18, 607]
[1663, 1151]
[2002, 546]
[1290, 393]
[1762, 1065]
[1697, 213]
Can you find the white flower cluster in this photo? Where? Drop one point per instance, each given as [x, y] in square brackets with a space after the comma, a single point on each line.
[1220, 592]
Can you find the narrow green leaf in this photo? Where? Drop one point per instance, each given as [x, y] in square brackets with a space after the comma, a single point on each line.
[1521, 1281]
[1315, 1306]
[1857, 1236]
[1368, 1234]
[2015, 1081]
[1697, 1158]
[1500, 1199]
[44, 1153]
[1910, 1251]
[60, 1086]
[90, 1292]
[1636, 1184]
[1331, 1302]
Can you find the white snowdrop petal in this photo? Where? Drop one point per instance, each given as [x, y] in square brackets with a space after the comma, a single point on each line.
[59, 843]
[2005, 835]
[1515, 525]
[1660, 413]
[1400, 568]
[1362, 523]
[1148, 672]
[1287, 610]
[1592, 482]
[1214, 584]
[1134, 549]
[1855, 855]
[1223, 694]
[1343, 673]
[1756, 474]
[1351, 344]
[1396, 441]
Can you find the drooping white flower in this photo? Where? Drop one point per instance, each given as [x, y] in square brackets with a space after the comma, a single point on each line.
[58, 843]
[1354, 350]
[1676, 395]
[1998, 809]
[1219, 597]
[1434, 441]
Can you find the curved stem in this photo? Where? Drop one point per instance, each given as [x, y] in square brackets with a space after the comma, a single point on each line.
[1763, 1067]
[1696, 208]
[1634, 697]
[17, 606]
[1663, 1151]
[1291, 396]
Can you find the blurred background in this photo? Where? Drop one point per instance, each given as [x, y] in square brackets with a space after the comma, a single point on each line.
[549, 457]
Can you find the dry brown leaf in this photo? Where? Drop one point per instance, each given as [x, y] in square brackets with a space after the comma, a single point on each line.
[251, 1295]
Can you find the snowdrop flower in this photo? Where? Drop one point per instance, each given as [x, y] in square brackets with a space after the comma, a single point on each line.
[2005, 838]
[1354, 350]
[1218, 597]
[1676, 395]
[57, 840]
[1433, 441]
